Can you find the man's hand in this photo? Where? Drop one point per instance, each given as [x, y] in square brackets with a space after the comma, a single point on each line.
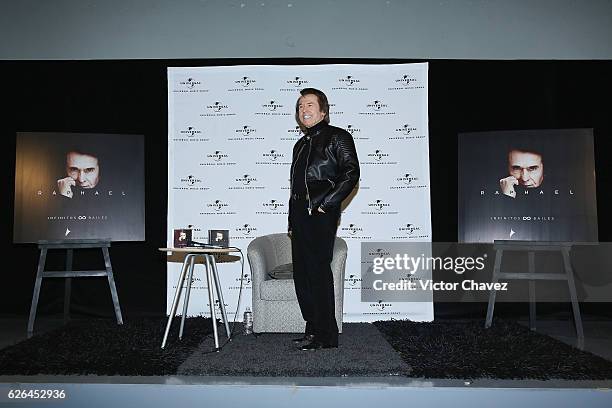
[65, 186]
[507, 186]
[321, 210]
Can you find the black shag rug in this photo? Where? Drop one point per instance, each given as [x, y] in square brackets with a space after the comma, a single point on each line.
[362, 352]
[441, 349]
[465, 349]
[102, 347]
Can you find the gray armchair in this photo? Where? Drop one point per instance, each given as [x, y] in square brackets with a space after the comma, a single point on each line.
[275, 305]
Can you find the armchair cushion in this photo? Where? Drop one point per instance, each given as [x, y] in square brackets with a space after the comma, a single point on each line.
[278, 290]
[284, 271]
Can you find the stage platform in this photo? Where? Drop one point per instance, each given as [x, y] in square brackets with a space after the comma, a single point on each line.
[93, 392]
[230, 391]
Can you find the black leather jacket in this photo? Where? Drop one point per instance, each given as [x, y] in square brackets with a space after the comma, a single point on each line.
[332, 167]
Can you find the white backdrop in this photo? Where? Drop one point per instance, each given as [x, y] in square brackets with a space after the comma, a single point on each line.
[231, 131]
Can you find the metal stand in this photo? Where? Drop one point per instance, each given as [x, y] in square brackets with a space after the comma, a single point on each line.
[211, 276]
[531, 247]
[70, 246]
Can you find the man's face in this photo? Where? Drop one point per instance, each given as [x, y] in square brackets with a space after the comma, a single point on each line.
[526, 167]
[83, 169]
[309, 110]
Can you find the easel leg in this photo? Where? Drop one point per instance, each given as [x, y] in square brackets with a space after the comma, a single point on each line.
[532, 304]
[68, 286]
[493, 293]
[574, 297]
[41, 267]
[111, 283]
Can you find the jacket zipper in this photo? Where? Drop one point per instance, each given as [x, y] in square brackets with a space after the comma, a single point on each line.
[292, 168]
[305, 171]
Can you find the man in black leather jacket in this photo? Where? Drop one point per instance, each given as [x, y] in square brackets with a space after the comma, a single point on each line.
[324, 171]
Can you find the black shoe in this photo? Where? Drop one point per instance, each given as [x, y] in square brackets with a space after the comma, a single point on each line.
[306, 337]
[315, 345]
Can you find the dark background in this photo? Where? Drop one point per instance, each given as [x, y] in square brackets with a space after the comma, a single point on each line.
[131, 97]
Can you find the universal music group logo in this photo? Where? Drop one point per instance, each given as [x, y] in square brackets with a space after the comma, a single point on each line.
[407, 180]
[405, 132]
[352, 282]
[381, 306]
[273, 108]
[246, 182]
[377, 107]
[217, 158]
[273, 157]
[272, 207]
[379, 207]
[379, 157]
[245, 133]
[349, 83]
[188, 85]
[217, 109]
[190, 131]
[352, 231]
[190, 182]
[410, 231]
[245, 84]
[190, 134]
[217, 207]
[246, 230]
[295, 84]
[406, 81]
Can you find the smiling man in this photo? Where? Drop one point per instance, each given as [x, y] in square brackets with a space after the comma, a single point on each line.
[324, 171]
[526, 169]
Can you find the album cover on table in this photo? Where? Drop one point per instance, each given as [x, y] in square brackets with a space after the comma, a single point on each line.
[218, 237]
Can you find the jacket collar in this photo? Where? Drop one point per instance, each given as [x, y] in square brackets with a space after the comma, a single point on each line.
[316, 129]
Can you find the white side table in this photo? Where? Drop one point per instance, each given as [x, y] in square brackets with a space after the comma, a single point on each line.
[208, 256]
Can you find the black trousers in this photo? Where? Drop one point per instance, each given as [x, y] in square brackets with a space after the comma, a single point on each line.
[312, 247]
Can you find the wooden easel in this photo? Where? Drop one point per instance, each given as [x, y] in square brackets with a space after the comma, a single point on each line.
[531, 247]
[70, 246]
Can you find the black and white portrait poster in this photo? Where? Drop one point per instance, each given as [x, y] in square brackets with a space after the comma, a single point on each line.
[79, 186]
[534, 185]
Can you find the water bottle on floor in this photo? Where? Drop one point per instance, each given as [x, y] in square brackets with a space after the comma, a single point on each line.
[248, 321]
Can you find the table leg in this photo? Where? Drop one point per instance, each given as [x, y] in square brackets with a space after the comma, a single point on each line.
[177, 295]
[220, 295]
[211, 301]
[186, 301]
